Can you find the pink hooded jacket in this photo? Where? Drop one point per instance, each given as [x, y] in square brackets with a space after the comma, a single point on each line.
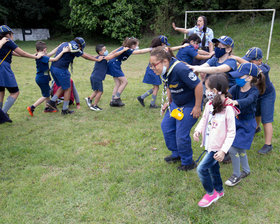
[222, 131]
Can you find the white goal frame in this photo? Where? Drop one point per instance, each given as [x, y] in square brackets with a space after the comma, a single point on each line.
[245, 10]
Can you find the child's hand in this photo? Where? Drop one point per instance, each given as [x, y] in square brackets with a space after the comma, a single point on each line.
[174, 26]
[219, 156]
[196, 136]
[165, 106]
[100, 58]
[3, 41]
[78, 106]
[126, 48]
[40, 54]
[66, 49]
[233, 102]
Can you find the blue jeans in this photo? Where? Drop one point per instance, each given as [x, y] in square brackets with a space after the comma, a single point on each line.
[209, 174]
[177, 134]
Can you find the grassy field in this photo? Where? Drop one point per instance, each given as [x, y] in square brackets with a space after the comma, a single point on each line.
[107, 167]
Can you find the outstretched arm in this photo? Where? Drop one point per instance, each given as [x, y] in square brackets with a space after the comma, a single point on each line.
[239, 59]
[210, 70]
[142, 51]
[22, 53]
[114, 51]
[53, 51]
[110, 56]
[178, 47]
[181, 30]
[65, 49]
[91, 58]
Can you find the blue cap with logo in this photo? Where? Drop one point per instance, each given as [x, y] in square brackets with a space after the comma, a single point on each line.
[5, 28]
[82, 42]
[226, 40]
[163, 40]
[245, 69]
[253, 53]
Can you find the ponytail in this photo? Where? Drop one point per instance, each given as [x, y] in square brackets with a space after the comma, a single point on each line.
[259, 82]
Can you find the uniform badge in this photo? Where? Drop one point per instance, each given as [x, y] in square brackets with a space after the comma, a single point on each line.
[192, 76]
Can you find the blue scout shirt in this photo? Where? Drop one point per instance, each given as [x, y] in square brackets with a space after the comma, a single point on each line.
[187, 54]
[268, 84]
[182, 82]
[124, 56]
[100, 69]
[213, 62]
[42, 66]
[247, 101]
[66, 58]
[10, 45]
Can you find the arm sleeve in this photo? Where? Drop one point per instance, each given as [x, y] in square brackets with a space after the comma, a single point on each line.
[191, 31]
[231, 129]
[252, 97]
[203, 120]
[210, 35]
[188, 77]
[231, 63]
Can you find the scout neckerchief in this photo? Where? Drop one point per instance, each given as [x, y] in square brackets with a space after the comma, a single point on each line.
[164, 97]
[5, 56]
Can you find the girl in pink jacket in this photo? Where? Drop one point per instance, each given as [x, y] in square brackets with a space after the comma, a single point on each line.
[217, 128]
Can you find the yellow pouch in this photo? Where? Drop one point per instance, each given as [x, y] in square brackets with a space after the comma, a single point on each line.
[177, 114]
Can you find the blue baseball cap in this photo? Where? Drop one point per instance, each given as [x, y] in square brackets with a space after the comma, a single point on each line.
[253, 53]
[5, 28]
[226, 40]
[74, 47]
[82, 42]
[245, 69]
[163, 40]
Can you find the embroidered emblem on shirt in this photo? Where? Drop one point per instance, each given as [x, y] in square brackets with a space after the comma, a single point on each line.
[192, 76]
[173, 86]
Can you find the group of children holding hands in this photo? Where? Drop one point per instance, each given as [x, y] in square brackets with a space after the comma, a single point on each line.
[239, 98]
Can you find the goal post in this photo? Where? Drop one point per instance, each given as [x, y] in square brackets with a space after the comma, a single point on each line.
[244, 10]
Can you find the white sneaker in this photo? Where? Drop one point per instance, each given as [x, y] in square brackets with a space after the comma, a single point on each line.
[96, 108]
[88, 101]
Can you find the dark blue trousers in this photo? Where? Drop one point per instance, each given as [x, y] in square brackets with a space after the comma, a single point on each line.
[177, 134]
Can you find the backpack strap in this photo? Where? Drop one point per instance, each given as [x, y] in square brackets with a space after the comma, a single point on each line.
[5, 56]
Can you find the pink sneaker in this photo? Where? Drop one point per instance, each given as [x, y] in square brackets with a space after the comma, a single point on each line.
[207, 199]
[220, 194]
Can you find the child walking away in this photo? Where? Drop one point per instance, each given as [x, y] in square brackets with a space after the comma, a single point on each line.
[7, 77]
[150, 77]
[249, 83]
[99, 73]
[114, 68]
[42, 76]
[217, 128]
[61, 75]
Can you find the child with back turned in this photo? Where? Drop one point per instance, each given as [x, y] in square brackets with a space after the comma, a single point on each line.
[42, 75]
[217, 128]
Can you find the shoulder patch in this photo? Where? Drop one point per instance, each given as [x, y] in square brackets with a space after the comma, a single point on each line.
[192, 76]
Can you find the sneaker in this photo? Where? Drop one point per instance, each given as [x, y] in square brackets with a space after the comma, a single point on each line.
[171, 159]
[141, 101]
[65, 112]
[221, 194]
[30, 111]
[233, 180]
[117, 103]
[207, 199]
[52, 105]
[95, 108]
[187, 167]
[49, 110]
[88, 102]
[244, 174]
[154, 106]
[227, 159]
[258, 129]
[265, 149]
[9, 119]
[59, 101]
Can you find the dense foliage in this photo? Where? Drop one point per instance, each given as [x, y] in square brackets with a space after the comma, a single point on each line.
[116, 18]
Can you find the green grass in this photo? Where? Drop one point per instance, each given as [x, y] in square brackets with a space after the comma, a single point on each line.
[107, 167]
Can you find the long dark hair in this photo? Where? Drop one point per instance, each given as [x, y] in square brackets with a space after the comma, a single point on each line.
[220, 83]
[259, 82]
[129, 41]
[204, 30]
[156, 42]
[4, 34]
[193, 37]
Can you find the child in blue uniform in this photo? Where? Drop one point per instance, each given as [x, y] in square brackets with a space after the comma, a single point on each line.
[99, 73]
[42, 76]
[61, 75]
[191, 52]
[114, 68]
[222, 61]
[150, 77]
[249, 83]
[184, 90]
[7, 77]
[266, 101]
